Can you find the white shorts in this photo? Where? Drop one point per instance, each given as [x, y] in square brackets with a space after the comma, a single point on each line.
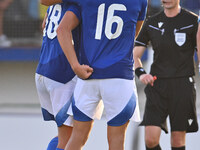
[55, 99]
[119, 98]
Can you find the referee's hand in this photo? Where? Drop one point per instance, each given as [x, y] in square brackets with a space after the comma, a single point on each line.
[147, 79]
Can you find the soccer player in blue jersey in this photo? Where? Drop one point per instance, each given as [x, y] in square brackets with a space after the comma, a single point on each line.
[108, 32]
[198, 41]
[55, 80]
[107, 43]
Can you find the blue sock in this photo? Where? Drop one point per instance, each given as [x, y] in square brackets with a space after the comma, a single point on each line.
[59, 149]
[53, 144]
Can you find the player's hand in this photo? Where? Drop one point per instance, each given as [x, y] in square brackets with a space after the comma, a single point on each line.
[83, 71]
[147, 79]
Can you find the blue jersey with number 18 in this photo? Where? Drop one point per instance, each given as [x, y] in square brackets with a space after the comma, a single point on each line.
[53, 63]
[108, 32]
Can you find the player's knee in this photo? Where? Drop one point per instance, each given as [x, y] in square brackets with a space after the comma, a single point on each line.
[62, 142]
[116, 139]
[80, 138]
[151, 141]
[81, 132]
[61, 145]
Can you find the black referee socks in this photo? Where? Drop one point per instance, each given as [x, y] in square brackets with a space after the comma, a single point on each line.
[155, 148]
[178, 148]
[159, 148]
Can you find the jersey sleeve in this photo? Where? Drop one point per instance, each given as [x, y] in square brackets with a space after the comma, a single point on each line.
[143, 37]
[48, 10]
[76, 10]
[143, 10]
[195, 32]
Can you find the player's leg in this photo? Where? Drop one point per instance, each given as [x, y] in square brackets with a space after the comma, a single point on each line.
[85, 106]
[64, 133]
[120, 100]
[116, 136]
[182, 111]
[46, 106]
[152, 137]
[80, 134]
[178, 140]
[61, 100]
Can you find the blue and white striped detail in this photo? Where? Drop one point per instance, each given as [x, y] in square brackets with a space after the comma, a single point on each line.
[125, 114]
[62, 115]
[47, 116]
[78, 115]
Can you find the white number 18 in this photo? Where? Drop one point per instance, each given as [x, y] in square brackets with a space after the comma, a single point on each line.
[55, 14]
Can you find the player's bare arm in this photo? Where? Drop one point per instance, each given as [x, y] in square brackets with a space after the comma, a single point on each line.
[138, 51]
[44, 21]
[4, 4]
[50, 2]
[138, 27]
[198, 45]
[64, 34]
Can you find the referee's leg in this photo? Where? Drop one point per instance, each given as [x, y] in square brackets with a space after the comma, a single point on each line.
[152, 137]
[178, 140]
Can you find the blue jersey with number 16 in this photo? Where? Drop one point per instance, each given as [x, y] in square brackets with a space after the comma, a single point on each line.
[108, 32]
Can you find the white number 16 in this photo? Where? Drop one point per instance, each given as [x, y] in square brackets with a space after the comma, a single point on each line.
[109, 21]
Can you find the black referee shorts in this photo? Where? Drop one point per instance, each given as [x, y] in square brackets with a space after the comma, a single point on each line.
[173, 97]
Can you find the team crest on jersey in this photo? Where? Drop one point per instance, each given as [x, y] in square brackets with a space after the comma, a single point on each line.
[180, 38]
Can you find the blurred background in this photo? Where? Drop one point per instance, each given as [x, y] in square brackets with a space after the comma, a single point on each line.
[21, 123]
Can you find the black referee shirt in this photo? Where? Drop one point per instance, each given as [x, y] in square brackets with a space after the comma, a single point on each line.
[173, 40]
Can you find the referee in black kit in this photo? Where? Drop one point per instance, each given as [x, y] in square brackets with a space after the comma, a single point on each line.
[170, 89]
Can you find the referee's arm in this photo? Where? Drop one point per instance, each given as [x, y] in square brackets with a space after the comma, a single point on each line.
[138, 51]
[145, 78]
[138, 27]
